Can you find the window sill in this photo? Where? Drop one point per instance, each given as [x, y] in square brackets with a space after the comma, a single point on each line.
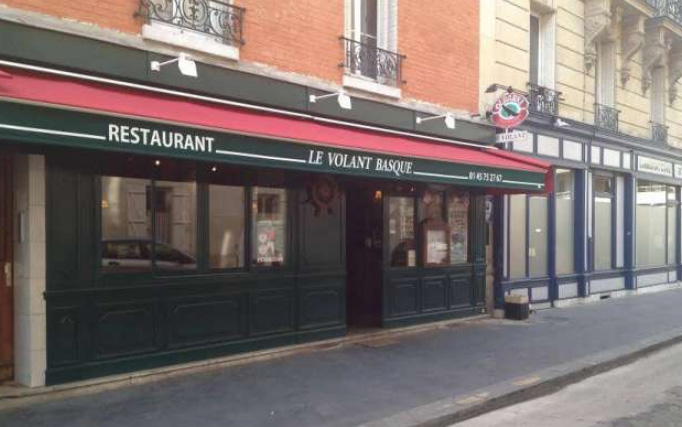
[180, 37]
[371, 86]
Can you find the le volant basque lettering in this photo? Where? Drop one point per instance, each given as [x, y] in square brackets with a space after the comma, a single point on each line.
[360, 162]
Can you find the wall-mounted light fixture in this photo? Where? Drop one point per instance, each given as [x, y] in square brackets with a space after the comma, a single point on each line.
[186, 65]
[449, 120]
[341, 97]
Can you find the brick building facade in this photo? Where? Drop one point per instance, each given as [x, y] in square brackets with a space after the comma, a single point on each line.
[196, 178]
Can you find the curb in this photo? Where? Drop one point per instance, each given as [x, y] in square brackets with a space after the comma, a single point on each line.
[446, 412]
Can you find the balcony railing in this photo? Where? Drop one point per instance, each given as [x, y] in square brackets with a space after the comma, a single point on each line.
[606, 117]
[210, 17]
[543, 100]
[670, 8]
[659, 132]
[370, 61]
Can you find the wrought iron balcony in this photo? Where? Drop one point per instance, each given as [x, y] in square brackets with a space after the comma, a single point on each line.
[606, 117]
[659, 132]
[543, 100]
[214, 18]
[370, 61]
[668, 8]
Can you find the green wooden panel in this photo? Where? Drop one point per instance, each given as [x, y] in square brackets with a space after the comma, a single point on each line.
[321, 242]
[434, 293]
[206, 319]
[126, 328]
[322, 306]
[68, 51]
[64, 344]
[62, 226]
[461, 290]
[272, 312]
[226, 83]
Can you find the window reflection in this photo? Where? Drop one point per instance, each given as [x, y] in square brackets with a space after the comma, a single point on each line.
[226, 226]
[401, 232]
[458, 220]
[175, 225]
[126, 225]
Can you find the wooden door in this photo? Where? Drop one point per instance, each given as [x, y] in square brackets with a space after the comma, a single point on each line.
[6, 299]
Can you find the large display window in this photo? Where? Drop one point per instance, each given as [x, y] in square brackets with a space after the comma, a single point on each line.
[528, 236]
[604, 209]
[443, 218]
[151, 225]
[655, 224]
[564, 212]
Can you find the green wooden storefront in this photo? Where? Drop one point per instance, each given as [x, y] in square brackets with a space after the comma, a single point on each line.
[100, 324]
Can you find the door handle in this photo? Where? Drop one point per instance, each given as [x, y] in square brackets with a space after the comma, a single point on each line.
[8, 275]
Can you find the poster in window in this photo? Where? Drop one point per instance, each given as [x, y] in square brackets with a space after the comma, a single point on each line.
[436, 247]
[269, 226]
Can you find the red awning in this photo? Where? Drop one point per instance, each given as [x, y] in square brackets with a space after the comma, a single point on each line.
[56, 90]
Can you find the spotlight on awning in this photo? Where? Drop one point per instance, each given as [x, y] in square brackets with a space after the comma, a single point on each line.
[449, 120]
[341, 97]
[186, 65]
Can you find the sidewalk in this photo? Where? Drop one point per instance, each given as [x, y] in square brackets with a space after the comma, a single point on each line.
[365, 383]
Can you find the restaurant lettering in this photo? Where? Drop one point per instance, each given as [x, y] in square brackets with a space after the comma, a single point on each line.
[160, 138]
[360, 162]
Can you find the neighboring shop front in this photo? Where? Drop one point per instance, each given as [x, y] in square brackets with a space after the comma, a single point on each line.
[180, 227]
[611, 225]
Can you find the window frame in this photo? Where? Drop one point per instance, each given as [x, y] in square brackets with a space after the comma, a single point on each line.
[415, 196]
[574, 196]
[614, 229]
[202, 206]
[507, 219]
[676, 205]
[247, 235]
[419, 218]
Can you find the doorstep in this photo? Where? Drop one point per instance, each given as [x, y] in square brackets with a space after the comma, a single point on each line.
[14, 394]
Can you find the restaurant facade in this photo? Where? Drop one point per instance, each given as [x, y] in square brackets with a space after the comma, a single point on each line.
[150, 219]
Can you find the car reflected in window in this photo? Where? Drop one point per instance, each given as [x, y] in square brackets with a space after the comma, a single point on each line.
[134, 256]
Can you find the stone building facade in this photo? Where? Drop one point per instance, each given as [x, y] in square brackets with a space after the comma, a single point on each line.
[602, 77]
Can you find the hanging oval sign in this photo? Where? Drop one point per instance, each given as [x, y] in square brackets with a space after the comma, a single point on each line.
[510, 110]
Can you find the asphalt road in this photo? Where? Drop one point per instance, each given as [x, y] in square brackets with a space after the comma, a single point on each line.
[647, 393]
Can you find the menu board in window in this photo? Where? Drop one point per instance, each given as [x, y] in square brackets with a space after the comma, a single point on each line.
[436, 248]
[458, 220]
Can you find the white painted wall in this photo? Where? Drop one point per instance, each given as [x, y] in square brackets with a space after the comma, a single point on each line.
[29, 270]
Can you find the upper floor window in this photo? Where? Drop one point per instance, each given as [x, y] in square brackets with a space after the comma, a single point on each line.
[209, 26]
[659, 131]
[543, 99]
[370, 42]
[606, 115]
